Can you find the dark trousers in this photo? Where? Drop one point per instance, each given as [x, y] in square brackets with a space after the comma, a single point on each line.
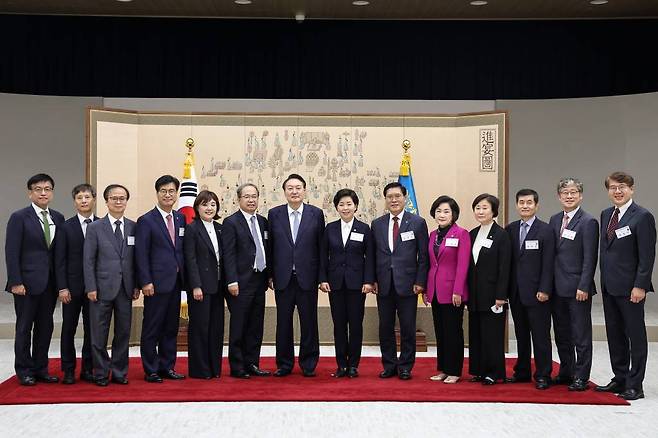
[627, 339]
[572, 324]
[449, 331]
[160, 331]
[205, 335]
[70, 317]
[532, 323]
[486, 344]
[406, 306]
[347, 310]
[246, 329]
[307, 308]
[34, 329]
[100, 316]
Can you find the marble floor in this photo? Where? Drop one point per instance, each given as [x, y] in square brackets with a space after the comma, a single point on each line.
[335, 419]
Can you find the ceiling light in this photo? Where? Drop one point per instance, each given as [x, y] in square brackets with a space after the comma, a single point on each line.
[598, 2]
[360, 3]
[124, 1]
[479, 3]
[242, 2]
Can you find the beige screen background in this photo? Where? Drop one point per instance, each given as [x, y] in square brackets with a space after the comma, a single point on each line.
[458, 155]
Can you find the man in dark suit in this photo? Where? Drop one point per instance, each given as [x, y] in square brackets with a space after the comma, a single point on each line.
[576, 251]
[160, 270]
[531, 285]
[31, 238]
[109, 276]
[71, 284]
[245, 248]
[296, 231]
[627, 254]
[401, 264]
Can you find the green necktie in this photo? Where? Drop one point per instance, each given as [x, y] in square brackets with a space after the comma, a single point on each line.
[46, 227]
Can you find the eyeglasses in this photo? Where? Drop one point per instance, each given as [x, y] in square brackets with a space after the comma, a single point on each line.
[167, 192]
[249, 196]
[620, 187]
[394, 196]
[42, 189]
[117, 198]
[570, 193]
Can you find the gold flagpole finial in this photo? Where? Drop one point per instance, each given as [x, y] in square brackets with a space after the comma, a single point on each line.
[189, 159]
[405, 165]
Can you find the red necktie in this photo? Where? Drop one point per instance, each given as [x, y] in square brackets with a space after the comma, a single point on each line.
[396, 231]
[170, 228]
[612, 226]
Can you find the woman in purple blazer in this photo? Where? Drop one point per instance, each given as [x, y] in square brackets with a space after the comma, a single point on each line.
[449, 253]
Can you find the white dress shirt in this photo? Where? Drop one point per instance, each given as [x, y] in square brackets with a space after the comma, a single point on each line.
[479, 240]
[623, 209]
[390, 227]
[291, 217]
[121, 226]
[248, 217]
[210, 228]
[345, 230]
[83, 224]
[51, 223]
[164, 216]
[529, 222]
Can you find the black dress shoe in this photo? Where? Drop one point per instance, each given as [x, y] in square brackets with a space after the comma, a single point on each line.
[488, 381]
[476, 379]
[340, 372]
[308, 373]
[253, 370]
[46, 378]
[281, 372]
[153, 378]
[87, 376]
[69, 378]
[562, 380]
[578, 385]
[542, 383]
[404, 375]
[632, 394]
[387, 374]
[171, 375]
[515, 379]
[120, 380]
[613, 386]
[27, 381]
[352, 372]
[102, 381]
[240, 374]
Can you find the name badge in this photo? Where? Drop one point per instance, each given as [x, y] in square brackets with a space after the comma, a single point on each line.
[131, 240]
[264, 234]
[452, 242]
[181, 232]
[487, 243]
[357, 237]
[568, 234]
[407, 235]
[623, 232]
[532, 244]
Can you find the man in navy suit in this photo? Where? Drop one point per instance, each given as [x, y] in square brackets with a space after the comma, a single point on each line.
[296, 231]
[245, 248]
[31, 239]
[71, 285]
[627, 254]
[531, 281]
[576, 252]
[401, 264]
[160, 270]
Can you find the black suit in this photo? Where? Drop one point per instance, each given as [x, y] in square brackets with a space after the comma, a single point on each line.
[488, 281]
[627, 262]
[532, 272]
[206, 326]
[248, 307]
[575, 264]
[31, 262]
[347, 268]
[69, 252]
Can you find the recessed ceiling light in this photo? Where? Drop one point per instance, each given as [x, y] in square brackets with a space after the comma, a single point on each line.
[598, 2]
[360, 3]
[242, 2]
[124, 1]
[479, 3]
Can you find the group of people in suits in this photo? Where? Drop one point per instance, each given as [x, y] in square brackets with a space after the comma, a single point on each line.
[542, 271]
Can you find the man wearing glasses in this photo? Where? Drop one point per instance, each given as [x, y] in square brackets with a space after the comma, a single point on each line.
[627, 254]
[160, 269]
[29, 251]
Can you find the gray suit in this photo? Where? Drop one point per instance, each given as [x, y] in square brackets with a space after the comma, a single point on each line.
[109, 269]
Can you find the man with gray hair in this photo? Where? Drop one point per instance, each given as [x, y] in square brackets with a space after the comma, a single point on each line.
[244, 244]
[576, 246]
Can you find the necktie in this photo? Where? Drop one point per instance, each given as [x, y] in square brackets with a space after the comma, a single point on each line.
[117, 233]
[87, 221]
[612, 226]
[46, 227]
[170, 228]
[295, 225]
[84, 229]
[396, 231]
[260, 257]
[565, 222]
[524, 233]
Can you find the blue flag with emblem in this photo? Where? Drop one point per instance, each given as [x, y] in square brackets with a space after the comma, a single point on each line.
[406, 179]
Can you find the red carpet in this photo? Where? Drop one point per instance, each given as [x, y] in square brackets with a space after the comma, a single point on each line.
[368, 387]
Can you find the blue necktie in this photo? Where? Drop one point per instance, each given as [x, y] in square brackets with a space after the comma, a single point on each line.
[524, 233]
[260, 257]
[295, 225]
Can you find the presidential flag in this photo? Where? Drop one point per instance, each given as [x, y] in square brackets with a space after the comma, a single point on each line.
[406, 180]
